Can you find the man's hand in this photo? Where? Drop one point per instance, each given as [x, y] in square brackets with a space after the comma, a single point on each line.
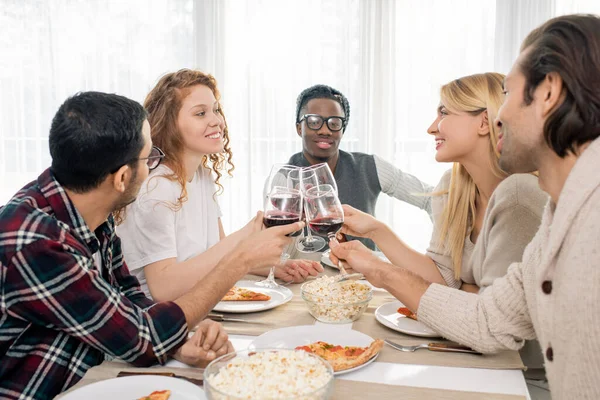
[264, 248]
[209, 342]
[297, 270]
[254, 225]
[358, 258]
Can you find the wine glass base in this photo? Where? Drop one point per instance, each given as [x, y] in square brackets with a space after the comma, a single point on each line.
[268, 284]
[311, 246]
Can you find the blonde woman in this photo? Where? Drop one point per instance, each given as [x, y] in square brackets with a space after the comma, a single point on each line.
[483, 218]
[172, 234]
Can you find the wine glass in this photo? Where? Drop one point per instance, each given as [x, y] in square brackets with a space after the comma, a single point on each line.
[278, 177]
[304, 179]
[324, 211]
[323, 175]
[314, 175]
[326, 216]
[283, 206]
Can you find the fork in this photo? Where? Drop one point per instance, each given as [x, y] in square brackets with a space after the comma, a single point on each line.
[344, 275]
[446, 347]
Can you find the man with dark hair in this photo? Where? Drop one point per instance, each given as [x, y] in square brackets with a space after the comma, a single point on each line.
[67, 299]
[322, 115]
[550, 122]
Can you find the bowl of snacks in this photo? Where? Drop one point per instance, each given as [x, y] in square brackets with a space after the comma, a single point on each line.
[336, 302]
[268, 374]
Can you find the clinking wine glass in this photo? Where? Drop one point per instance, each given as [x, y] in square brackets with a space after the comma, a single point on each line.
[304, 179]
[324, 211]
[309, 177]
[323, 175]
[283, 206]
[279, 177]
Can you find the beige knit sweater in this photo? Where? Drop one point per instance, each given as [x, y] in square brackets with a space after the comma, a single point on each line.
[512, 218]
[553, 294]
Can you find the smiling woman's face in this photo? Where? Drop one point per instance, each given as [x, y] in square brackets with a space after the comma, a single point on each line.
[320, 144]
[200, 122]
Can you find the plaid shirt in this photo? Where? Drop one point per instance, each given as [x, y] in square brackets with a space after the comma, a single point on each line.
[59, 314]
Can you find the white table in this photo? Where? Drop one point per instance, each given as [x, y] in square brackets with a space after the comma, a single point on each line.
[427, 376]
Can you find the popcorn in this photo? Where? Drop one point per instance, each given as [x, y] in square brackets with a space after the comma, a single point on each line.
[281, 374]
[337, 303]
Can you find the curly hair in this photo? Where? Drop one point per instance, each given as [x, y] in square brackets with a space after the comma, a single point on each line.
[163, 104]
[322, 92]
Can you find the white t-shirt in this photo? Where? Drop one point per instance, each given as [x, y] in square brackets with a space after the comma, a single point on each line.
[153, 231]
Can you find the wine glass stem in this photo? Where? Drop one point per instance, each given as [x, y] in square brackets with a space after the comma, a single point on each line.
[309, 237]
[331, 236]
[271, 277]
[285, 255]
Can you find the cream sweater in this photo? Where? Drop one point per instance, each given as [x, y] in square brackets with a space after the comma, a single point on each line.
[511, 220]
[553, 294]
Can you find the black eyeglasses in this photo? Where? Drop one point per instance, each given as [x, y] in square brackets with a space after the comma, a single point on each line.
[315, 122]
[153, 160]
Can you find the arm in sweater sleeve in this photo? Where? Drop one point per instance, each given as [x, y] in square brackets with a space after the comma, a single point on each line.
[405, 187]
[495, 320]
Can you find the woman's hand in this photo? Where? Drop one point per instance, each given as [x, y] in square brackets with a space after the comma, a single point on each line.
[358, 258]
[358, 223]
[297, 270]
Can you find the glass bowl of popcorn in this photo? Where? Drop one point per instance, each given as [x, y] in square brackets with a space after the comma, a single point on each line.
[269, 374]
[336, 302]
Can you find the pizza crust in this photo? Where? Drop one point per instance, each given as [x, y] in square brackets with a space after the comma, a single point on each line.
[157, 395]
[407, 313]
[343, 363]
[241, 294]
[340, 361]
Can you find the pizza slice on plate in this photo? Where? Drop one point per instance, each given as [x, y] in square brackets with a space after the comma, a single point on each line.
[241, 294]
[407, 313]
[343, 357]
[157, 395]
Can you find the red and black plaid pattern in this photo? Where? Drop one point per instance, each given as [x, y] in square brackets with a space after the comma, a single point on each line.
[59, 314]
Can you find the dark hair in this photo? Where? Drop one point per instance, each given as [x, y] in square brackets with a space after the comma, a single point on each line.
[322, 92]
[92, 134]
[569, 46]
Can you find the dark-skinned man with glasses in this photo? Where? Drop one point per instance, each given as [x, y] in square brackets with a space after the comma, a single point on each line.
[322, 116]
[67, 299]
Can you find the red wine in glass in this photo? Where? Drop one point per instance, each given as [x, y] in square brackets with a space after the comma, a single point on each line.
[281, 218]
[326, 226]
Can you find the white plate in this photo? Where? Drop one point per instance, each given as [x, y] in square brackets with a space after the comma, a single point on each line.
[134, 387]
[279, 296]
[387, 315]
[325, 258]
[294, 336]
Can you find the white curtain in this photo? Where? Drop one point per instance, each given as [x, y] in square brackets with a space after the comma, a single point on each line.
[53, 49]
[388, 57]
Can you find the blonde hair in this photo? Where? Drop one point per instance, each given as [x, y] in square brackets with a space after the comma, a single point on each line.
[471, 94]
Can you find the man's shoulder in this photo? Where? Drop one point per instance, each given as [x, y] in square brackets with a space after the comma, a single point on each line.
[25, 220]
[297, 160]
[356, 156]
[360, 160]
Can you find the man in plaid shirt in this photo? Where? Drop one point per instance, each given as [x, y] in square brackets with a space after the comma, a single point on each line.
[67, 299]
